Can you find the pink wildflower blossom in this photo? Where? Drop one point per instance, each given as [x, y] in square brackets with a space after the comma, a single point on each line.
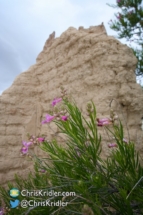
[55, 101]
[64, 118]
[104, 121]
[42, 170]
[100, 124]
[111, 145]
[24, 150]
[26, 144]
[48, 119]
[40, 139]
[1, 211]
[125, 140]
[25, 147]
[119, 16]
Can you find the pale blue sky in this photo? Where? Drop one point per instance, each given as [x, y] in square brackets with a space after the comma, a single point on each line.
[25, 25]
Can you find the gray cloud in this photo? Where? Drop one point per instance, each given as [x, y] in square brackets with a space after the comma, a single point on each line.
[26, 25]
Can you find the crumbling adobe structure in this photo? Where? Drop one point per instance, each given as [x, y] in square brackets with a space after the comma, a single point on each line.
[90, 65]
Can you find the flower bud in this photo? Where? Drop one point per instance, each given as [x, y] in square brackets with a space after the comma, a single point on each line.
[89, 106]
[112, 145]
[115, 117]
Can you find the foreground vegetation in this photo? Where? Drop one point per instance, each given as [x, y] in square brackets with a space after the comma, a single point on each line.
[97, 186]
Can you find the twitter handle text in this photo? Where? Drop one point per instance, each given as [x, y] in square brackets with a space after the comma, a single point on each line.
[34, 203]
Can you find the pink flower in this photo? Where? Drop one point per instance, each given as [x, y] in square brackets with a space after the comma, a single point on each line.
[104, 121]
[118, 17]
[99, 124]
[64, 118]
[24, 150]
[1, 211]
[125, 140]
[111, 145]
[25, 147]
[41, 139]
[42, 170]
[48, 119]
[55, 101]
[26, 144]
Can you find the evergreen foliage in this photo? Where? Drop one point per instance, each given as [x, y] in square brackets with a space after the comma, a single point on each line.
[129, 25]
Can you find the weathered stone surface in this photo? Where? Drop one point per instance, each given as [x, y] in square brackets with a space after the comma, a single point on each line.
[91, 65]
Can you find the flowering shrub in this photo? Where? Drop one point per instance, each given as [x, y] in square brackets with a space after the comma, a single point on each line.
[112, 185]
[32, 141]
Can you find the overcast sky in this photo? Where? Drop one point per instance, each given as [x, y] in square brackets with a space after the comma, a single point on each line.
[25, 26]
